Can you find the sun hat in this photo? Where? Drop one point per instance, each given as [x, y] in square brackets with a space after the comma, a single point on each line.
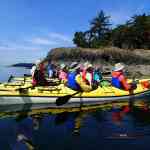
[89, 66]
[86, 64]
[37, 62]
[77, 67]
[118, 67]
[62, 66]
[73, 65]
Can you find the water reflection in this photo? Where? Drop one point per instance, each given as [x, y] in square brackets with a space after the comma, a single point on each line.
[55, 129]
[141, 114]
[118, 113]
[78, 122]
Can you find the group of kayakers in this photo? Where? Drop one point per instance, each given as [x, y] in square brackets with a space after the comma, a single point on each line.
[78, 76]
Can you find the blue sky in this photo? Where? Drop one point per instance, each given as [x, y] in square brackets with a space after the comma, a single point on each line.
[30, 28]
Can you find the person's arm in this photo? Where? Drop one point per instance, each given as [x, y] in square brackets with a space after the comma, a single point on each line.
[89, 78]
[33, 70]
[124, 83]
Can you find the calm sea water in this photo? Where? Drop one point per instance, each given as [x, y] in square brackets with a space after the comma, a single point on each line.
[118, 126]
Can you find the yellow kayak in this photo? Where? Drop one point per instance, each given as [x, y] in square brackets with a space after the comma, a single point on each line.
[17, 93]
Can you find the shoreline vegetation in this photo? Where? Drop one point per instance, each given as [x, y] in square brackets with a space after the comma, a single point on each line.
[133, 34]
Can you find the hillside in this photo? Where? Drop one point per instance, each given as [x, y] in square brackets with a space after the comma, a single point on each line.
[137, 61]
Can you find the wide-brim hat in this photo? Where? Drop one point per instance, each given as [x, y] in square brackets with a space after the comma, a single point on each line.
[37, 62]
[87, 65]
[73, 65]
[118, 67]
[62, 66]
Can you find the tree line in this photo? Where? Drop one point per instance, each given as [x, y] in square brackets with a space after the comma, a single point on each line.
[134, 34]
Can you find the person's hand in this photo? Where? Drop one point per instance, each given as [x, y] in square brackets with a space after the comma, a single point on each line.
[133, 85]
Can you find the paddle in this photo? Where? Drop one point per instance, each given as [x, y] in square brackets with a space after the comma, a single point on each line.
[10, 78]
[64, 99]
[24, 89]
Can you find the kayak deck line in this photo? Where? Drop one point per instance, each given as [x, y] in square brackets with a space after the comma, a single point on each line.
[26, 95]
[74, 98]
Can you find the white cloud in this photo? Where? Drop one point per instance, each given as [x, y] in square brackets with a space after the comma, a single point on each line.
[43, 41]
[28, 49]
[13, 52]
[52, 39]
[60, 37]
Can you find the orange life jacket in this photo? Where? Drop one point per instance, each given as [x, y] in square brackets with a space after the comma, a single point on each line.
[122, 79]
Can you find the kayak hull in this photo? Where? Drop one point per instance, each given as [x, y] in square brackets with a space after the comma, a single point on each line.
[23, 103]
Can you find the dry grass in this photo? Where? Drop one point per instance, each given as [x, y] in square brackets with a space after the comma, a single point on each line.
[108, 55]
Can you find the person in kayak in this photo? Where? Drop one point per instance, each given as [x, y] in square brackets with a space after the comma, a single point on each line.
[97, 75]
[71, 79]
[119, 80]
[89, 75]
[38, 74]
[63, 73]
[85, 78]
[50, 70]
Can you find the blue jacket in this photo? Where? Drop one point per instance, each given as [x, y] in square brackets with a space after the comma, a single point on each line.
[116, 83]
[72, 82]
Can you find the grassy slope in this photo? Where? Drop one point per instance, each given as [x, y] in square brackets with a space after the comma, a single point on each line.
[137, 61]
[106, 55]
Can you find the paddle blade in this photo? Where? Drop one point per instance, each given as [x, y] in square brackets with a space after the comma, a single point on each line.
[10, 78]
[63, 100]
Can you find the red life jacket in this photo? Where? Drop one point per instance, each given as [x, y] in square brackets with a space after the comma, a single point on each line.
[84, 72]
[120, 76]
